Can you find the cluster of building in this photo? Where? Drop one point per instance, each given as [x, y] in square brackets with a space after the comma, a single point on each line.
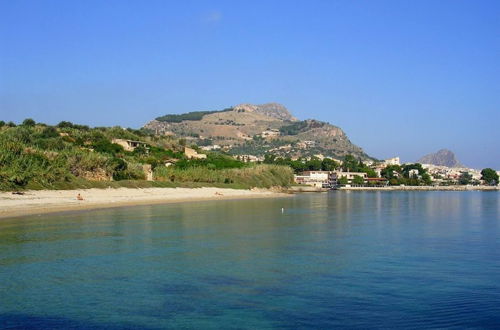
[331, 179]
[441, 174]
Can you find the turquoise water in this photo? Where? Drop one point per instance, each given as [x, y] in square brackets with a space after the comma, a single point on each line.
[336, 260]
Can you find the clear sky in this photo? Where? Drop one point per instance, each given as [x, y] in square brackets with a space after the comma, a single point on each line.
[400, 77]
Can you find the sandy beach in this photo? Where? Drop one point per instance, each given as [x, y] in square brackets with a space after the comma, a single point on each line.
[48, 201]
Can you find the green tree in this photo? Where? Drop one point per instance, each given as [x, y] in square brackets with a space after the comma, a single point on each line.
[65, 124]
[408, 167]
[358, 179]
[11, 124]
[465, 178]
[314, 164]
[426, 178]
[28, 122]
[343, 180]
[391, 172]
[490, 176]
[350, 164]
[2, 123]
[329, 164]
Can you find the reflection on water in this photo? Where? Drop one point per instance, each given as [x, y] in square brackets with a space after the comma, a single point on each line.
[341, 259]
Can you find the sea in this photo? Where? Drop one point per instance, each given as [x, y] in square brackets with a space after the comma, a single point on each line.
[337, 260]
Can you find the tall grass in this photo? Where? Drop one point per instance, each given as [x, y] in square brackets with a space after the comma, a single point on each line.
[264, 176]
[38, 157]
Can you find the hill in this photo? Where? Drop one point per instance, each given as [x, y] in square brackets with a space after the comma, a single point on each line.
[249, 129]
[67, 156]
[443, 157]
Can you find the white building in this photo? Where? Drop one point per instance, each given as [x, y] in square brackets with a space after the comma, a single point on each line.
[392, 161]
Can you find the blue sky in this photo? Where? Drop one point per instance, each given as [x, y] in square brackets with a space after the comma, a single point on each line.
[400, 77]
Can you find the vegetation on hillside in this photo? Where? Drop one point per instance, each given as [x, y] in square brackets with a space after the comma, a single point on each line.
[35, 155]
[194, 115]
[294, 128]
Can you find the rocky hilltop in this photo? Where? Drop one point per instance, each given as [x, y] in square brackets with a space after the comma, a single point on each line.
[248, 129]
[443, 157]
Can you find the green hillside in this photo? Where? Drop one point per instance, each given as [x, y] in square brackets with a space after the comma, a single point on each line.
[38, 156]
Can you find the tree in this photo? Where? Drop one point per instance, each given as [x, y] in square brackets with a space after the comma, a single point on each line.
[465, 178]
[408, 167]
[426, 178]
[358, 179]
[314, 164]
[391, 172]
[65, 124]
[369, 172]
[2, 123]
[343, 180]
[350, 164]
[28, 122]
[490, 176]
[329, 164]
[11, 124]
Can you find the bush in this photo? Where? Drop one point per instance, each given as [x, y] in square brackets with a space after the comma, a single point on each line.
[28, 122]
[105, 146]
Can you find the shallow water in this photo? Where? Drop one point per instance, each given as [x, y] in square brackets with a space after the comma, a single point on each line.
[336, 260]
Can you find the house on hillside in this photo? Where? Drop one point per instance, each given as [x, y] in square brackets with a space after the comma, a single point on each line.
[270, 133]
[193, 154]
[129, 145]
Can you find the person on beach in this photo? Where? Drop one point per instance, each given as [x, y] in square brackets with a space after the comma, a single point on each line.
[79, 197]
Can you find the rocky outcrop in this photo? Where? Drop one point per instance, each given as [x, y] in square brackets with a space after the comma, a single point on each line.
[443, 157]
[273, 110]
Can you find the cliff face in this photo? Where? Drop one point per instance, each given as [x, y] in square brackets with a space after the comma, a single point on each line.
[258, 129]
[273, 110]
[442, 157]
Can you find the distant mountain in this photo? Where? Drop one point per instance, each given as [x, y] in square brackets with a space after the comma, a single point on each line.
[249, 129]
[443, 157]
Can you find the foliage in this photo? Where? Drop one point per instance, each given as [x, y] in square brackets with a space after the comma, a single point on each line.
[28, 122]
[105, 146]
[194, 116]
[264, 176]
[329, 164]
[214, 161]
[398, 175]
[391, 172]
[313, 164]
[44, 156]
[343, 180]
[490, 176]
[465, 178]
[294, 128]
[358, 179]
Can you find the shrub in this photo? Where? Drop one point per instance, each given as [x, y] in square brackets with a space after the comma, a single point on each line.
[28, 122]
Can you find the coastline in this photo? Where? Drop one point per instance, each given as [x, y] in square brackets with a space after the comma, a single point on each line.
[425, 188]
[34, 202]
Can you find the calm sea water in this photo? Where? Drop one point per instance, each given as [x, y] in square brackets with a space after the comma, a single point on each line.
[336, 260]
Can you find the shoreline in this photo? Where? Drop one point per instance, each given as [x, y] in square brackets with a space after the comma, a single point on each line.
[425, 188]
[35, 202]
